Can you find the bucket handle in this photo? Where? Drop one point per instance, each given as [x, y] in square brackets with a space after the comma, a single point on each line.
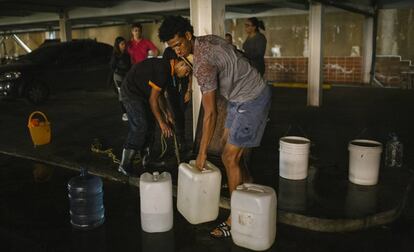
[37, 112]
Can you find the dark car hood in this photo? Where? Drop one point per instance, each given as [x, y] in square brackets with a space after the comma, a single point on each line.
[18, 66]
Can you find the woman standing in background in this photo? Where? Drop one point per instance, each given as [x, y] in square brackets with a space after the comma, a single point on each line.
[120, 65]
[255, 45]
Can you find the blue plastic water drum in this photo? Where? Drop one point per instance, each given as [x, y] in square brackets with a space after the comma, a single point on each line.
[85, 194]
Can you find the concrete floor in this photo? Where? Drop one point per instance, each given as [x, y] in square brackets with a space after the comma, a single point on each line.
[34, 216]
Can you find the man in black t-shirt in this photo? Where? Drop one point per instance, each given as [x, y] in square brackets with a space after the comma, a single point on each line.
[141, 91]
[179, 95]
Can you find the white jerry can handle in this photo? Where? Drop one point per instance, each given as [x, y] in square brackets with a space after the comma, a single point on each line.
[250, 187]
[205, 169]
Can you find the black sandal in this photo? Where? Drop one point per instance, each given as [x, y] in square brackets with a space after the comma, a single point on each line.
[224, 231]
[223, 224]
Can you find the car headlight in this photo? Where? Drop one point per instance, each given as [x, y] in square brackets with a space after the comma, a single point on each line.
[5, 85]
[5, 88]
[10, 76]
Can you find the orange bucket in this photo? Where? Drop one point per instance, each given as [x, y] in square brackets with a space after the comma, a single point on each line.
[39, 130]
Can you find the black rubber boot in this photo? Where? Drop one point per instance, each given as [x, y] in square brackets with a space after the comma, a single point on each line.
[184, 150]
[125, 167]
[145, 155]
[147, 161]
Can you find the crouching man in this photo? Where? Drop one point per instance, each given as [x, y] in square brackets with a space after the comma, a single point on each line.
[141, 91]
[218, 67]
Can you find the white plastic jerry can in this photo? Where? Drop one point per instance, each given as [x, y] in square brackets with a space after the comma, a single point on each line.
[198, 192]
[253, 216]
[155, 191]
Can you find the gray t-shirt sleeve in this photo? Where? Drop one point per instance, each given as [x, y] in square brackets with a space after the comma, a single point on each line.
[217, 66]
[205, 72]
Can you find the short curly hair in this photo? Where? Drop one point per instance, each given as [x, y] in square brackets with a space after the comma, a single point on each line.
[169, 54]
[173, 25]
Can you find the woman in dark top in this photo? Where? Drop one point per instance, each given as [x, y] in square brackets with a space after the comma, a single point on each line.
[255, 45]
[120, 65]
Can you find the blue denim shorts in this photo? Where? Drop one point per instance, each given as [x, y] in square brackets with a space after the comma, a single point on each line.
[246, 121]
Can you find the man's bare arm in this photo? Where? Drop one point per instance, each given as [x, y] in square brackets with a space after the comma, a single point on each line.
[156, 111]
[209, 124]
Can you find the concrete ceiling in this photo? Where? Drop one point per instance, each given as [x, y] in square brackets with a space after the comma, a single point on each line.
[23, 15]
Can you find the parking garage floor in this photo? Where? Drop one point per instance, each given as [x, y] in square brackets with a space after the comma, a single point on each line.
[323, 213]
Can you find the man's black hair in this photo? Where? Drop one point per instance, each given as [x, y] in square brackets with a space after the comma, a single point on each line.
[173, 25]
[169, 54]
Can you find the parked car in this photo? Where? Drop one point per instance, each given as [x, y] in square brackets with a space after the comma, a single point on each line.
[54, 67]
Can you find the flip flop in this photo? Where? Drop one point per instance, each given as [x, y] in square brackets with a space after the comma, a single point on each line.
[224, 231]
[223, 224]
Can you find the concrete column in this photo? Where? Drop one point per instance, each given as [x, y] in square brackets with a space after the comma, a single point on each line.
[315, 60]
[410, 35]
[2, 46]
[368, 38]
[388, 44]
[50, 35]
[65, 30]
[207, 17]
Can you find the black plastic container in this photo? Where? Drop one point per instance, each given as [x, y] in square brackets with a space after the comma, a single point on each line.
[86, 201]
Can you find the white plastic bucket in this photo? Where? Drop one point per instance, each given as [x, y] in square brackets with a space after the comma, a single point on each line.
[198, 192]
[156, 202]
[293, 157]
[364, 161]
[253, 215]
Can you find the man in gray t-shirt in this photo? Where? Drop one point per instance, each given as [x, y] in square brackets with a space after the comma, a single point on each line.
[216, 63]
[218, 67]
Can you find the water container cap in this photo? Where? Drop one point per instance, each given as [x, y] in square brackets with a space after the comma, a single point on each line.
[85, 182]
[156, 175]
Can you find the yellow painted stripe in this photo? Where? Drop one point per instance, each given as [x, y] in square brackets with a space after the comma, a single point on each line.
[297, 85]
[154, 86]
